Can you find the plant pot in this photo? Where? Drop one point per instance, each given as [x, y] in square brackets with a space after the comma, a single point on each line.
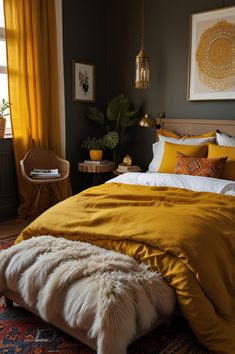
[2, 127]
[96, 154]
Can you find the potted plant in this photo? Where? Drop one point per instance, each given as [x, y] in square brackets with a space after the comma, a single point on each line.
[119, 115]
[4, 105]
[95, 146]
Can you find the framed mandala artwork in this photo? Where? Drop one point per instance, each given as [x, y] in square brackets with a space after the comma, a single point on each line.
[211, 73]
[83, 81]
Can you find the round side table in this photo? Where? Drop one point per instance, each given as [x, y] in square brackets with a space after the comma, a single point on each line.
[96, 174]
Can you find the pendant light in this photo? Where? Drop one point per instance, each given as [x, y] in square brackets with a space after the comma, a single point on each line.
[142, 61]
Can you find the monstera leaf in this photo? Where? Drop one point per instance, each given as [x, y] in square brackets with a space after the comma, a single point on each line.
[119, 105]
[111, 139]
[125, 120]
[96, 115]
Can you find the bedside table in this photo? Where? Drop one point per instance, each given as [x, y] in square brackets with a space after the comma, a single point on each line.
[95, 175]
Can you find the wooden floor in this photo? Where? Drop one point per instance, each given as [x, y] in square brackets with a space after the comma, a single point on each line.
[13, 227]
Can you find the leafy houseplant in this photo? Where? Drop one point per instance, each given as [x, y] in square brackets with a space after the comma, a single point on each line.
[95, 147]
[118, 115]
[4, 105]
[93, 144]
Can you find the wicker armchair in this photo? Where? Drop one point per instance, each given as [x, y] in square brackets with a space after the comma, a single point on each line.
[43, 159]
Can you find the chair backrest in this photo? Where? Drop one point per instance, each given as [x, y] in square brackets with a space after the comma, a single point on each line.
[43, 158]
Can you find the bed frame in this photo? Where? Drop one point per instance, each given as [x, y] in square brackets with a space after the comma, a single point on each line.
[180, 126]
[12, 297]
[197, 126]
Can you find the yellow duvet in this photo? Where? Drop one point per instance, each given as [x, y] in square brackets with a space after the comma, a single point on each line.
[188, 236]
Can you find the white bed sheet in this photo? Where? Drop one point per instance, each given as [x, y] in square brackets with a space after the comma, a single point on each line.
[194, 183]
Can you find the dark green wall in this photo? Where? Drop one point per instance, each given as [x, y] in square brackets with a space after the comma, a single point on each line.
[84, 38]
[166, 42]
[108, 33]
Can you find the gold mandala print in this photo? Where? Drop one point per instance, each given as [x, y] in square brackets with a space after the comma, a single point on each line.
[215, 56]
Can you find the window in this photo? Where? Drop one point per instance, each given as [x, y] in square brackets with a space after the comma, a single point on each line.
[3, 65]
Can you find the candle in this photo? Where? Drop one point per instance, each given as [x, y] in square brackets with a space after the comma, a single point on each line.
[142, 74]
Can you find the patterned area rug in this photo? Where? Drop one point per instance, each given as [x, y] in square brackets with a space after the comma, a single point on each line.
[22, 332]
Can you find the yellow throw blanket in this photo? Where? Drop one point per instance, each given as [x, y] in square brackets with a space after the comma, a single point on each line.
[188, 236]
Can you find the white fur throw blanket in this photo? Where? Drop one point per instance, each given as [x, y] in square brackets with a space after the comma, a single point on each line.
[103, 292]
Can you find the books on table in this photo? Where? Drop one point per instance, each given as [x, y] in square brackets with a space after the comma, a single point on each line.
[45, 173]
[124, 168]
[96, 162]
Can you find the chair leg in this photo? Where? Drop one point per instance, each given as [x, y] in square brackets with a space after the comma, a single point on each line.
[34, 202]
[49, 194]
[56, 193]
[39, 188]
[56, 189]
[31, 202]
[52, 196]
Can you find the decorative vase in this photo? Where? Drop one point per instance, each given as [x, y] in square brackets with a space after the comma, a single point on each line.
[2, 127]
[96, 155]
[127, 161]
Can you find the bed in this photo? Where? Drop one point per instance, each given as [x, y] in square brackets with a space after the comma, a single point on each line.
[140, 215]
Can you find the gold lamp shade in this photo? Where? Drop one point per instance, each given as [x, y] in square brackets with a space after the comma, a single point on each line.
[147, 122]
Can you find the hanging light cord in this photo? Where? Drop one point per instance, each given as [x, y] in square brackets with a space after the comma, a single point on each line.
[142, 24]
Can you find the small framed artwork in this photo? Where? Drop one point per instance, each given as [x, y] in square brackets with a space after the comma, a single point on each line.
[83, 81]
[211, 72]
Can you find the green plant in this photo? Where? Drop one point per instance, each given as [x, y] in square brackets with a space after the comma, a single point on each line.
[4, 105]
[119, 115]
[93, 144]
[109, 141]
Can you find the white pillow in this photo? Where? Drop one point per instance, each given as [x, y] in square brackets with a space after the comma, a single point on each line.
[224, 139]
[158, 148]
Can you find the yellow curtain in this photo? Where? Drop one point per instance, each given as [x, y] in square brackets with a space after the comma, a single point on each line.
[33, 81]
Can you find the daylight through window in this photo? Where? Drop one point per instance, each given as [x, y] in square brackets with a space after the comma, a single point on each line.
[3, 65]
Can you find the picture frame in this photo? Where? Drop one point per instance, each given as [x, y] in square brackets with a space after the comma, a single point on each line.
[211, 67]
[83, 81]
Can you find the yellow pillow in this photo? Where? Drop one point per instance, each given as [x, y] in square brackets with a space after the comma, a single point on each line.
[170, 153]
[228, 171]
[205, 135]
[168, 133]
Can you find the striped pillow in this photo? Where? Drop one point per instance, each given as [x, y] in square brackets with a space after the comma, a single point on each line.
[199, 166]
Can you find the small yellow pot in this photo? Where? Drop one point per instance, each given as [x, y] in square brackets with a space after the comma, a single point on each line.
[2, 127]
[96, 154]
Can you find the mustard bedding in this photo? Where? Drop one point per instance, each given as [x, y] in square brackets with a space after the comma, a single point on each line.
[188, 236]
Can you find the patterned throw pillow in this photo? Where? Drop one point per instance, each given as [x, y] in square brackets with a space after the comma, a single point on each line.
[199, 166]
